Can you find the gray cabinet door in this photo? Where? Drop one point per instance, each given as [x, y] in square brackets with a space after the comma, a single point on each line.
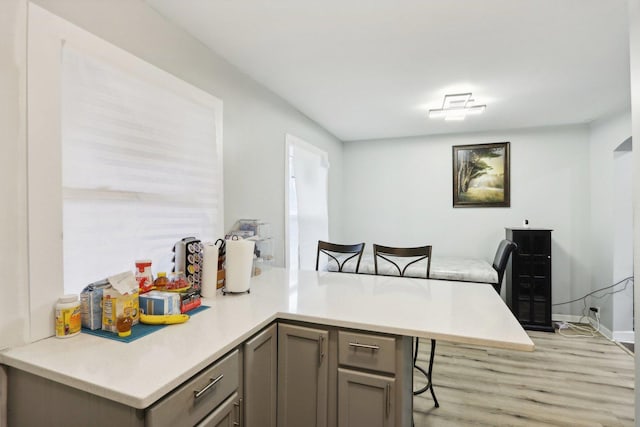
[261, 378]
[365, 399]
[225, 415]
[303, 372]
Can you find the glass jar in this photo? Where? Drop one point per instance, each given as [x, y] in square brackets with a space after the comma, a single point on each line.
[162, 281]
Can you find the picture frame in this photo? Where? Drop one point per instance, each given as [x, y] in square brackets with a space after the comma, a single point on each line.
[481, 175]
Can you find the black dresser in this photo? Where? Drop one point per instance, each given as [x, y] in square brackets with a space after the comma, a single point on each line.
[528, 278]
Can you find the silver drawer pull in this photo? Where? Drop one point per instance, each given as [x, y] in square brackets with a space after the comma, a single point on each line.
[213, 382]
[369, 346]
[387, 408]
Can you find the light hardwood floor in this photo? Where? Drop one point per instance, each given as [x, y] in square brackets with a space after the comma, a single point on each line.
[564, 382]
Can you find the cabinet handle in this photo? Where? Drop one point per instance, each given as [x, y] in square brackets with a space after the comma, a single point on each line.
[213, 382]
[369, 346]
[387, 390]
[320, 349]
[238, 405]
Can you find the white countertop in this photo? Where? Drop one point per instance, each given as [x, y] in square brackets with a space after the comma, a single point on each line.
[139, 373]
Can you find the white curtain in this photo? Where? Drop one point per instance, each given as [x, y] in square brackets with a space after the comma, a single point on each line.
[311, 172]
[140, 170]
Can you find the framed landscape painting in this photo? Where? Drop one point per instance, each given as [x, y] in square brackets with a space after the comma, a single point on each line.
[481, 175]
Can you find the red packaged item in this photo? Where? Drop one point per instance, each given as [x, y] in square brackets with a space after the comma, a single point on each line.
[178, 282]
[144, 277]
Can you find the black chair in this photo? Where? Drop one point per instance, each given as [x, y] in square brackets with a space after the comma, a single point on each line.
[416, 254]
[505, 248]
[333, 250]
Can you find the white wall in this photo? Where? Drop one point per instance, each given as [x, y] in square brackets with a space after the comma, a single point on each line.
[399, 192]
[606, 135]
[14, 327]
[255, 119]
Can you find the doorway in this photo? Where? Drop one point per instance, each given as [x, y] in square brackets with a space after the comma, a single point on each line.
[306, 196]
[623, 329]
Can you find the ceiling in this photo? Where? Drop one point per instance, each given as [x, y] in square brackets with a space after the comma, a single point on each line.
[369, 69]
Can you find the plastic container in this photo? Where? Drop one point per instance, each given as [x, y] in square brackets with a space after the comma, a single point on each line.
[68, 317]
[178, 281]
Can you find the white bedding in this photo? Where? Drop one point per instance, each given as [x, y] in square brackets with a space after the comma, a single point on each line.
[446, 268]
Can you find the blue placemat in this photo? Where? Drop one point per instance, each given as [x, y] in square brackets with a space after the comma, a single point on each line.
[137, 331]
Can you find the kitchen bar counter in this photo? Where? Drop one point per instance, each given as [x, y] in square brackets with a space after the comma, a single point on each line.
[139, 373]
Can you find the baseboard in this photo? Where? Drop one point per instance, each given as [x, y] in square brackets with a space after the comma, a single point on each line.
[624, 336]
[576, 319]
[620, 336]
[603, 329]
[566, 318]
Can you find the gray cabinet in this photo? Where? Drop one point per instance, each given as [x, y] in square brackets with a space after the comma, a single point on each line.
[261, 378]
[365, 399]
[36, 401]
[196, 398]
[374, 380]
[189, 404]
[303, 374]
[287, 375]
[228, 414]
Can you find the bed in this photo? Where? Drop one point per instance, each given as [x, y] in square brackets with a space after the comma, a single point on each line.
[444, 268]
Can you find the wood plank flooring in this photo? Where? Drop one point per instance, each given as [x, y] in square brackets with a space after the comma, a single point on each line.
[564, 382]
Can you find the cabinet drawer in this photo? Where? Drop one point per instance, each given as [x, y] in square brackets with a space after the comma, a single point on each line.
[196, 398]
[374, 352]
[227, 414]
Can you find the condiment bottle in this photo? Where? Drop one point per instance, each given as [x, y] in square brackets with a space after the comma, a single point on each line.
[124, 323]
[68, 321]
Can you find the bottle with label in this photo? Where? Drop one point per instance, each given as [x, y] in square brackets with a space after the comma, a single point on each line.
[68, 317]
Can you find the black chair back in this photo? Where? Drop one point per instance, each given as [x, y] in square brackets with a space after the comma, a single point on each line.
[505, 248]
[333, 249]
[419, 253]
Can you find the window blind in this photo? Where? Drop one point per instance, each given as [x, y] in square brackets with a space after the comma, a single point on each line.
[140, 170]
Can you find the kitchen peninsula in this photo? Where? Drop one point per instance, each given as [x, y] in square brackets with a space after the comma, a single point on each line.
[140, 375]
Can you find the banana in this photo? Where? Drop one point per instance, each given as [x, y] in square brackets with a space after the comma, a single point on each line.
[163, 319]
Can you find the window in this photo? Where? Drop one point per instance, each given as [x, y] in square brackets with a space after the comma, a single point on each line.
[125, 150]
[138, 171]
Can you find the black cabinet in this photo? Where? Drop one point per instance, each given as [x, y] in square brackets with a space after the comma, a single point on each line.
[529, 278]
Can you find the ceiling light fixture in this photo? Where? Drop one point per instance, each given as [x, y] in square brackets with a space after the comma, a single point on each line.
[457, 107]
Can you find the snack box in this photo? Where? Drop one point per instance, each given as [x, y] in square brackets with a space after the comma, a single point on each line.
[115, 304]
[91, 304]
[189, 300]
[159, 302]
